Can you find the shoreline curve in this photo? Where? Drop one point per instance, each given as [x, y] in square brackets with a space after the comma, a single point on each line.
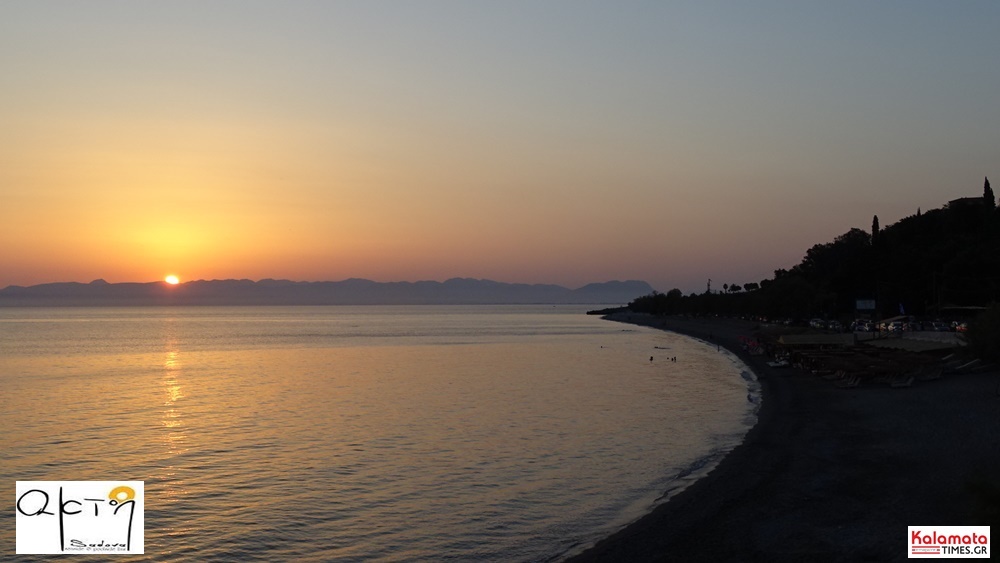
[826, 474]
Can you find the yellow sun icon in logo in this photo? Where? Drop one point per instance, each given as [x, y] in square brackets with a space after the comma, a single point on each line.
[121, 494]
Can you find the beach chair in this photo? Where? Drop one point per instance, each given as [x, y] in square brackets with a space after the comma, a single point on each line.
[854, 381]
[837, 375]
[965, 367]
[901, 382]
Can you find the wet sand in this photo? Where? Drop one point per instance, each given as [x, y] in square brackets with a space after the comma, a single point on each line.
[828, 474]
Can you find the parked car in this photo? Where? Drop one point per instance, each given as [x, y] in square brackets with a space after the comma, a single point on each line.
[862, 325]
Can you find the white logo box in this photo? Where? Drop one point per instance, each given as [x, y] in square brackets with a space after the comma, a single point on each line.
[85, 517]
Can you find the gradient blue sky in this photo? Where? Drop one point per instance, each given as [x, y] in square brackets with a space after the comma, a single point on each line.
[540, 142]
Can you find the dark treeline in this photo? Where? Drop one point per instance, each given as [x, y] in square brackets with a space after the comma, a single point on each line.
[926, 265]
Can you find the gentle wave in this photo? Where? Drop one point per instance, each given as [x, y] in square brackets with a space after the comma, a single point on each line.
[532, 433]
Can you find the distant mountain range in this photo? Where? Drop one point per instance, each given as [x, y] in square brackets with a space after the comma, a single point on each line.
[456, 291]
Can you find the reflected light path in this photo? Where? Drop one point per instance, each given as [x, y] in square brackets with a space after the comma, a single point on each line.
[174, 440]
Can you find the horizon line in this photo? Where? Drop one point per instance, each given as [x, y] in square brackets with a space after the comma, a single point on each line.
[102, 281]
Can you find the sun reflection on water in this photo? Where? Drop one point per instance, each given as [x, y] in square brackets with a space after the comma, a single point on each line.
[174, 440]
[171, 366]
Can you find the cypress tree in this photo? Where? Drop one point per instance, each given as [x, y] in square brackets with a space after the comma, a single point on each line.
[988, 197]
[874, 230]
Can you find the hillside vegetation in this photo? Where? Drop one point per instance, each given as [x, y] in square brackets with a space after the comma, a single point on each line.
[934, 264]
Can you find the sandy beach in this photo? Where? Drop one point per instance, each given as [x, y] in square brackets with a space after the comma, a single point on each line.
[828, 474]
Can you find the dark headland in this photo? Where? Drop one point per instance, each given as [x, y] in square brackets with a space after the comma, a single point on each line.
[827, 473]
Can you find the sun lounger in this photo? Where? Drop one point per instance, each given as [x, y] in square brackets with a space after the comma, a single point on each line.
[837, 375]
[901, 382]
[928, 375]
[854, 381]
[966, 367]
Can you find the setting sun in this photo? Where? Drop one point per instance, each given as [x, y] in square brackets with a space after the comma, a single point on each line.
[172, 280]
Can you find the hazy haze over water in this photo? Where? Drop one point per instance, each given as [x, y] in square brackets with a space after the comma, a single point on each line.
[567, 141]
[314, 433]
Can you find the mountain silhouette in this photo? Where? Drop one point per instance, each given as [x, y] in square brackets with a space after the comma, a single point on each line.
[457, 291]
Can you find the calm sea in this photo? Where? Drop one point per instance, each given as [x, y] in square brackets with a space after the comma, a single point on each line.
[364, 433]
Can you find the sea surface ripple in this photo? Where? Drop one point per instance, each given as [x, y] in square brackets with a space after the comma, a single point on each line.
[364, 433]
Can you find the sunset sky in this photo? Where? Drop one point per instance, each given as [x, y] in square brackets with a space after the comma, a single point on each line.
[540, 142]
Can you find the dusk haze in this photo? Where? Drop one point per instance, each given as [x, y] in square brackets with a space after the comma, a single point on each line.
[555, 142]
[574, 281]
